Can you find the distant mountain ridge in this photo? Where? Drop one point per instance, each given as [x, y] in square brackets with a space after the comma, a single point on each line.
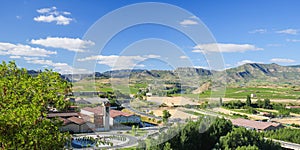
[244, 73]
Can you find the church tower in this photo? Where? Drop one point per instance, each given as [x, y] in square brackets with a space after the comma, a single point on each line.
[106, 115]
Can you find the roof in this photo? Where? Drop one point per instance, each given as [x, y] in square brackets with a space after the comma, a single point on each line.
[253, 124]
[76, 120]
[65, 121]
[51, 115]
[97, 110]
[116, 113]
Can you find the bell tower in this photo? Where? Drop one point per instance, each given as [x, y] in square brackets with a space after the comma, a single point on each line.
[106, 115]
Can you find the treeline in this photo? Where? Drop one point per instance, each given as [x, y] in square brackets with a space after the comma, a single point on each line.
[266, 104]
[208, 133]
[285, 134]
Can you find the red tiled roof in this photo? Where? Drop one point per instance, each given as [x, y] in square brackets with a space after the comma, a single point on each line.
[115, 113]
[76, 120]
[96, 110]
[253, 124]
[51, 115]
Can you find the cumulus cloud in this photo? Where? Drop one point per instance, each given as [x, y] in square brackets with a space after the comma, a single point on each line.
[119, 62]
[224, 48]
[258, 31]
[247, 62]
[288, 31]
[71, 44]
[62, 68]
[23, 50]
[52, 15]
[282, 60]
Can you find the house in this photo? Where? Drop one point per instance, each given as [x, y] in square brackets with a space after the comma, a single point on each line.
[98, 116]
[75, 125]
[256, 125]
[72, 122]
[119, 117]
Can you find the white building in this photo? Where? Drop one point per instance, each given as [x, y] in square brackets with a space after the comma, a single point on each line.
[119, 117]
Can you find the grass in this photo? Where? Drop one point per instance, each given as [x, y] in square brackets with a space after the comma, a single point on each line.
[193, 113]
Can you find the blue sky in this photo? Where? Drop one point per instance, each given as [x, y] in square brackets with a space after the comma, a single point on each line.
[51, 34]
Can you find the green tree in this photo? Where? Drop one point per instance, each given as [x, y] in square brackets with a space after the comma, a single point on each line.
[240, 137]
[167, 146]
[249, 147]
[260, 103]
[248, 100]
[267, 103]
[166, 115]
[24, 102]
[133, 130]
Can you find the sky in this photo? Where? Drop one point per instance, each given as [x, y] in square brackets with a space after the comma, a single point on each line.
[80, 36]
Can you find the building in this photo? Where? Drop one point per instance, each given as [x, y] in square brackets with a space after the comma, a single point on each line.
[72, 122]
[119, 117]
[97, 116]
[256, 125]
[75, 125]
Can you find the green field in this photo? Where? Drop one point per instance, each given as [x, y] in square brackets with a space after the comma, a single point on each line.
[261, 93]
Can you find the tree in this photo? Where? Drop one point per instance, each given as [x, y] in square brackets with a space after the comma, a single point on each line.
[260, 103]
[133, 130]
[248, 100]
[24, 102]
[267, 103]
[166, 115]
[167, 146]
[240, 137]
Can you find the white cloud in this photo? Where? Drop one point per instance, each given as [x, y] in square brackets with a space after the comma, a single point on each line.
[225, 48]
[188, 22]
[288, 31]
[258, 31]
[119, 62]
[60, 20]
[52, 15]
[247, 62]
[23, 50]
[183, 57]
[71, 44]
[292, 40]
[282, 60]
[46, 10]
[14, 57]
[62, 68]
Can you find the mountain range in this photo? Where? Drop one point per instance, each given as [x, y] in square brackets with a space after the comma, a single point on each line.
[250, 72]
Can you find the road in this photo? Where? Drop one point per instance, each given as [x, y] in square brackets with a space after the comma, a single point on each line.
[127, 106]
[288, 145]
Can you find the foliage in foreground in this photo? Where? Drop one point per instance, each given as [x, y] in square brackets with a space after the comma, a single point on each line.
[241, 137]
[208, 133]
[23, 106]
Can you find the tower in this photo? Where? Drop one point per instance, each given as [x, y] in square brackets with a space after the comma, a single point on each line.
[106, 115]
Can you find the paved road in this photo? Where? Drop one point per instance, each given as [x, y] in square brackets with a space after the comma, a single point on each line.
[127, 105]
[288, 145]
[132, 141]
